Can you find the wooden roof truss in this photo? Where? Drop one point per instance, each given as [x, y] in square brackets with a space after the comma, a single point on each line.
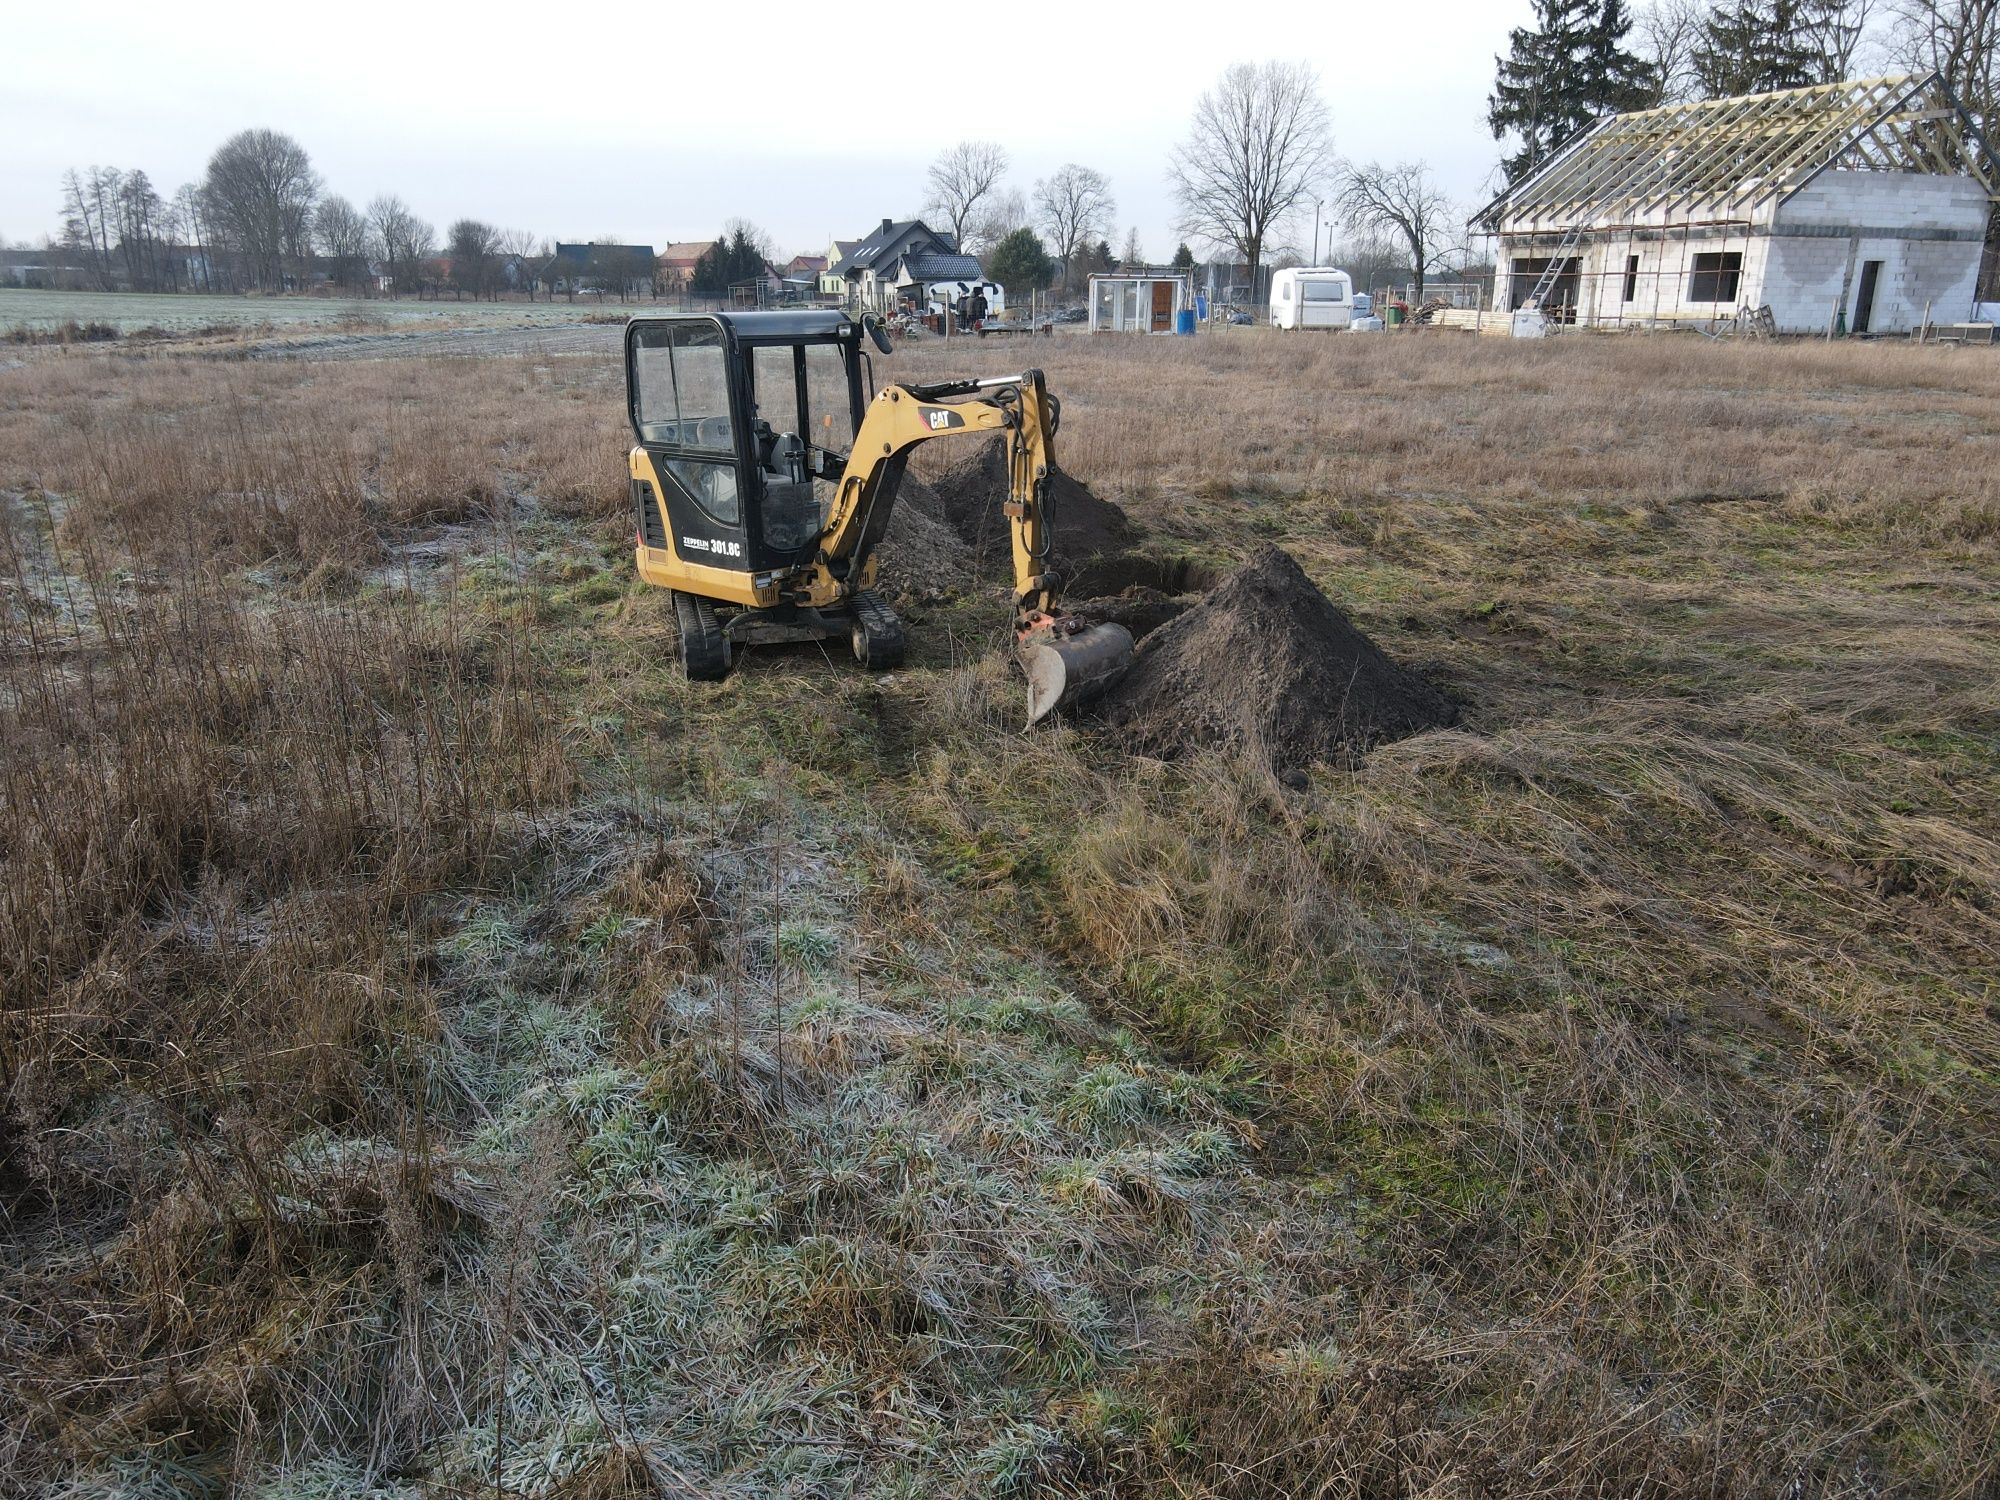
[1731, 157]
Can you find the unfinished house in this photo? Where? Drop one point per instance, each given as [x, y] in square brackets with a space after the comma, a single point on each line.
[1848, 203]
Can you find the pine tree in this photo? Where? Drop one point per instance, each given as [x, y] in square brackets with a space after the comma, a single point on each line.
[1615, 80]
[1759, 46]
[1561, 74]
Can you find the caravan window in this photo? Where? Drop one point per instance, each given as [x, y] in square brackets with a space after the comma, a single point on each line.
[1286, 294]
[1324, 291]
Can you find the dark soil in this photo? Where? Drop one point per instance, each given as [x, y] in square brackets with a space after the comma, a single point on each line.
[923, 557]
[1267, 664]
[1139, 609]
[971, 491]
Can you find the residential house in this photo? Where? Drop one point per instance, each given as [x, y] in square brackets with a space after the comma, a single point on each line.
[831, 282]
[874, 272]
[1858, 203]
[608, 270]
[677, 263]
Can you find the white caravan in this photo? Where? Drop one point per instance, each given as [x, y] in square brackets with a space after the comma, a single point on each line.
[943, 296]
[1311, 297]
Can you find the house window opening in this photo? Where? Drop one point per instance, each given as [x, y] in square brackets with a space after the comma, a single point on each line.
[1715, 277]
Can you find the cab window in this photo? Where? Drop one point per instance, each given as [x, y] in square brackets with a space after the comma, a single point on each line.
[683, 387]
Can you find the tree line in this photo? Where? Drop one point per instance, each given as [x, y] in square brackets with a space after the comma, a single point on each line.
[1056, 234]
[260, 219]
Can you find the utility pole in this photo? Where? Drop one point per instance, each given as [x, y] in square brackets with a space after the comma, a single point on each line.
[1316, 208]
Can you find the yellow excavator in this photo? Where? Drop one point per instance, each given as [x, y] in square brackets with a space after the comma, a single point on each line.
[762, 483]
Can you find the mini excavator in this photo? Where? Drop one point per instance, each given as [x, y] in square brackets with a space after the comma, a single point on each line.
[761, 485]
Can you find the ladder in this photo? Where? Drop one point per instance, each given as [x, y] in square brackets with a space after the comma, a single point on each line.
[1552, 272]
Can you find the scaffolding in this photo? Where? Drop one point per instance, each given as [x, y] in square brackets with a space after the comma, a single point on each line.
[1706, 179]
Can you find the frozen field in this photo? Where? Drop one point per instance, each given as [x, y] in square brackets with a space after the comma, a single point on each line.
[129, 311]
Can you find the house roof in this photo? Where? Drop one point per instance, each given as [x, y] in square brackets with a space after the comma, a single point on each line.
[1731, 156]
[684, 252]
[879, 248]
[806, 263]
[582, 253]
[935, 267]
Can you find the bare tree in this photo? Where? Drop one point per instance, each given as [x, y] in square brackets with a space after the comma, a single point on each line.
[86, 237]
[191, 212]
[473, 245]
[405, 241]
[1961, 40]
[516, 248]
[1004, 212]
[1134, 259]
[340, 230]
[1074, 207]
[960, 180]
[1258, 145]
[1401, 201]
[139, 211]
[261, 190]
[1666, 34]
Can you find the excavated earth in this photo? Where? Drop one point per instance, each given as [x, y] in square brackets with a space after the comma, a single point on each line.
[971, 490]
[1262, 661]
[1266, 663]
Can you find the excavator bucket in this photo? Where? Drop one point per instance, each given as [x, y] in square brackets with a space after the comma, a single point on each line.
[1069, 660]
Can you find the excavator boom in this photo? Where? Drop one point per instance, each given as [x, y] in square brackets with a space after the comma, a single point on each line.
[1066, 658]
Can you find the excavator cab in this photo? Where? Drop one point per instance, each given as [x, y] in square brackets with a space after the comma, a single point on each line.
[747, 421]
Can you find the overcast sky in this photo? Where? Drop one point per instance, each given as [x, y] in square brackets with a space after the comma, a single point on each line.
[653, 124]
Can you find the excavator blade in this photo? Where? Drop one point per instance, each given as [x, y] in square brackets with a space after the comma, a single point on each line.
[1071, 663]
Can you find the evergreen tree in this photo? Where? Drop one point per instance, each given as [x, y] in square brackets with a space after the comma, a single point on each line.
[1561, 74]
[1183, 258]
[1616, 80]
[1758, 46]
[726, 263]
[1021, 263]
[710, 277]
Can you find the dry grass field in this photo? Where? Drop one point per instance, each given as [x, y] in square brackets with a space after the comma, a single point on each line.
[445, 1053]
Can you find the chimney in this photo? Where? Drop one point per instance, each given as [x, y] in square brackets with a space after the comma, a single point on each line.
[887, 225]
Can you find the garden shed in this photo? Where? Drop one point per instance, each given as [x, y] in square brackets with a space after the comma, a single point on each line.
[1138, 301]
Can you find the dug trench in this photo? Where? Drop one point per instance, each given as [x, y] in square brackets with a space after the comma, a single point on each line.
[1257, 661]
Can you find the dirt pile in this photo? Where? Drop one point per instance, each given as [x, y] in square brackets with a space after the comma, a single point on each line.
[1266, 663]
[971, 490]
[923, 557]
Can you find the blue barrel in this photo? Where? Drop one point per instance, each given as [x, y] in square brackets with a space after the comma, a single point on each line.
[1184, 320]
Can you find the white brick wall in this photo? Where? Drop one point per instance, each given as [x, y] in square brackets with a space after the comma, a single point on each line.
[1805, 276]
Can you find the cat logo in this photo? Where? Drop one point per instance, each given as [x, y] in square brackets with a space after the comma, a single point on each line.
[941, 418]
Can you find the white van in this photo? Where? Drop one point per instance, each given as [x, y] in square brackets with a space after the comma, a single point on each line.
[1311, 297]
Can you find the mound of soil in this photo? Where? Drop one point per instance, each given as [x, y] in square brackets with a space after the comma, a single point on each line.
[923, 558]
[1266, 663]
[971, 490]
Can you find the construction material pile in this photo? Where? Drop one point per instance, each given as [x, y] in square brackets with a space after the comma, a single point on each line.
[1267, 664]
